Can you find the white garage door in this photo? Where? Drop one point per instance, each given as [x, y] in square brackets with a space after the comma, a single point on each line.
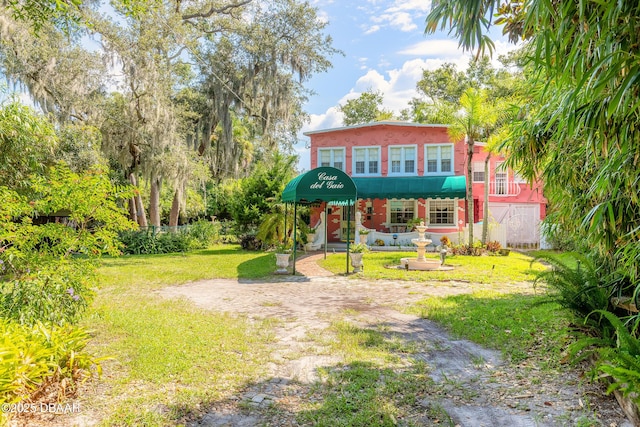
[522, 222]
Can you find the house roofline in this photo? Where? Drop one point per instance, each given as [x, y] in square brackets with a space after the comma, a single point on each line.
[375, 124]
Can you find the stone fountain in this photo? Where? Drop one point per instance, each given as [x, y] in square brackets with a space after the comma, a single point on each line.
[421, 263]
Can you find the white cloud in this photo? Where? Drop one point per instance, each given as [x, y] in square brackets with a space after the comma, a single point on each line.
[396, 19]
[399, 14]
[411, 6]
[437, 48]
[322, 17]
[370, 30]
[332, 118]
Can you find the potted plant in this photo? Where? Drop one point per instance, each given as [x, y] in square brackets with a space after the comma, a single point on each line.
[364, 234]
[283, 252]
[356, 251]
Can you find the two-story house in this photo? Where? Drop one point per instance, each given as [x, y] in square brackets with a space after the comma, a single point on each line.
[407, 171]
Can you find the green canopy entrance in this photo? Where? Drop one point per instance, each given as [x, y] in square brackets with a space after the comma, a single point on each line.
[323, 184]
[412, 187]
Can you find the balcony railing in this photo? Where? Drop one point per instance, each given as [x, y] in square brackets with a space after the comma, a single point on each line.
[504, 188]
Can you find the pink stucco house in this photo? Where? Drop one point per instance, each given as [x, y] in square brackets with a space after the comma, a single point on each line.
[405, 171]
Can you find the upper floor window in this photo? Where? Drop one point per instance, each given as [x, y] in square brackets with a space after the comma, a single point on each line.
[333, 157]
[478, 171]
[402, 160]
[439, 159]
[366, 161]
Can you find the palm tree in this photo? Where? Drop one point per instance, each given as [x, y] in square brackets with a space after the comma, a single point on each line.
[472, 122]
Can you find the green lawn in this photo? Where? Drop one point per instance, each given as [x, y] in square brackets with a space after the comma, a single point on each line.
[156, 271]
[499, 270]
[169, 359]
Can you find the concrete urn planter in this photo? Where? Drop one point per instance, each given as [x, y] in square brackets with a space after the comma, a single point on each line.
[282, 262]
[356, 261]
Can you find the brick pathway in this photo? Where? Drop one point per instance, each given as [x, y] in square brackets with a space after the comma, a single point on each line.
[307, 265]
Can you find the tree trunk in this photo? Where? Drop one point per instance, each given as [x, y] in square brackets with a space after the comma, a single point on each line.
[133, 212]
[174, 215]
[485, 208]
[154, 201]
[141, 215]
[470, 144]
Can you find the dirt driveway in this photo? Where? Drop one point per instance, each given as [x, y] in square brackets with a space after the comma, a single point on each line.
[305, 305]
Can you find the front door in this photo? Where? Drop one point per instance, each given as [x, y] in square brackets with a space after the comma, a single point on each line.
[344, 221]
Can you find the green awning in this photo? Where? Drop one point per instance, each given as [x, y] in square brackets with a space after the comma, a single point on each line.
[323, 184]
[412, 187]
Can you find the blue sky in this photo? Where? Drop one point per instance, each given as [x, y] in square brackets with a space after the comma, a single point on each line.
[385, 50]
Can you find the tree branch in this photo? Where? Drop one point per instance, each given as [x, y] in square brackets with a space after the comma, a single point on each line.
[228, 9]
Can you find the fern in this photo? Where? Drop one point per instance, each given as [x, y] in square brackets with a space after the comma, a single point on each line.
[581, 289]
[622, 362]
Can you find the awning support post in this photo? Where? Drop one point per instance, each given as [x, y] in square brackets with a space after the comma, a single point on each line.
[295, 243]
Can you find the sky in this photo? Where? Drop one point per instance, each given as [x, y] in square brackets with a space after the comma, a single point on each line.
[385, 49]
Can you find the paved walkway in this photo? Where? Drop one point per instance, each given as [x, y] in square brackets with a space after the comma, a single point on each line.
[307, 265]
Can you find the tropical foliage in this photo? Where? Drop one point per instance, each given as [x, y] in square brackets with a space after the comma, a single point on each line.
[579, 131]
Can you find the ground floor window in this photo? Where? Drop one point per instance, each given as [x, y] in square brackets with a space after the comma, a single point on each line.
[401, 211]
[442, 212]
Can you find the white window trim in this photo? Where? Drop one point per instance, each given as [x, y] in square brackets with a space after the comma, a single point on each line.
[353, 160]
[333, 149]
[402, 161]
[455, 214]
[388, 208]
[439, 172]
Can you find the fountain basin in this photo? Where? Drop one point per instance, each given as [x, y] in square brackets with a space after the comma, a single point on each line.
[415, 264]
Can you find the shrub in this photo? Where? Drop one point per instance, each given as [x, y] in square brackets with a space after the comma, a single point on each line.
[474, 250]
[493, 246]
[137, 242]
[46, 270]
[42, 357]
[250, 242]
[204, 233]
[154, 240]
[56, 293]
[581, 289]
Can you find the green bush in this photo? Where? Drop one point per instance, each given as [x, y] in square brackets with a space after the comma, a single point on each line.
[164, 240]
[204, 233]
[56, 293]
[617, 356]
[37, 357]
[46, 269]
[155, 241]
[579, 287]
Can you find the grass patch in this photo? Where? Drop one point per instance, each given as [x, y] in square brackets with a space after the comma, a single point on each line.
[374, 387]
[567, 258]
[157, 271]
[521, 326]
[500, 270]
[171, 361]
